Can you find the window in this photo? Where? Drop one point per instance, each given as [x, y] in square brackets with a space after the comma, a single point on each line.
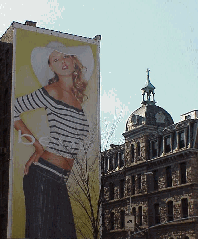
[187, 136]
[121, 159]
[170, 211]
[116, 160]
[122, 188]
[157, 213]
[155, 179]
[111, 191]
[181, 140]
[174, 140]
[122, 219]
[168, 176]
[154, 149]
[184, 207]
[106, 163]
[167, 144]
[160, 145]
[132, 153]
[112, 221]
[183, 172]
[134, 213]
[140, 216]
[139, 181]
[110, 164]
[138, 149]
[133, 184]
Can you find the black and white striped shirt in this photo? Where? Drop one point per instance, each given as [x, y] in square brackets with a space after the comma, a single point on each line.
[68, 125]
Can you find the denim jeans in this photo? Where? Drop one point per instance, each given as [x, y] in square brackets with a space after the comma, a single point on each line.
[48, 209]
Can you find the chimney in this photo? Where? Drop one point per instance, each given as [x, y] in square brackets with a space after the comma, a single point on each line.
[30, 23]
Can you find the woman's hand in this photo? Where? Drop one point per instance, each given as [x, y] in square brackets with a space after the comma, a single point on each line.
[34, 158]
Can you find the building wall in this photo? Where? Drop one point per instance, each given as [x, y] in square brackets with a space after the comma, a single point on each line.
[5, 109]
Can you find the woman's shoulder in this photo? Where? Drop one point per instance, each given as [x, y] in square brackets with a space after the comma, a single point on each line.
[52, 90]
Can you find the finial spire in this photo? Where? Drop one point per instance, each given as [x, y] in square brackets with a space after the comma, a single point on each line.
[148, 90]
[148, 75]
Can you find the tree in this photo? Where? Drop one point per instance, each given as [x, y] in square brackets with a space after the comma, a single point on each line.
[84, 184]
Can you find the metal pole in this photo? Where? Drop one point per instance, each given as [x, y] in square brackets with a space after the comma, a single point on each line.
[129, 234]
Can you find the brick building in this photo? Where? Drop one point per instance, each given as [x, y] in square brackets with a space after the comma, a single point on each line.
[152, 176]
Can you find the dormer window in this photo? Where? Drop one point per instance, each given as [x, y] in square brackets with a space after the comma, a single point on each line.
[154, 149]
[181, 139]
[167, 144]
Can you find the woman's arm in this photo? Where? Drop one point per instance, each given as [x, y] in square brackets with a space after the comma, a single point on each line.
[32, 101]
[19, 125]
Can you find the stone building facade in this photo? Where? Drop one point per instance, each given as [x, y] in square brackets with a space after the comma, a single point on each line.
[152, 176]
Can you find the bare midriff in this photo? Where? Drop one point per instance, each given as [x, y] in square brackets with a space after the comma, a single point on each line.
[65, 163]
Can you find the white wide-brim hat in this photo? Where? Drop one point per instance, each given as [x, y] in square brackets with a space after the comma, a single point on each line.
[40, 57]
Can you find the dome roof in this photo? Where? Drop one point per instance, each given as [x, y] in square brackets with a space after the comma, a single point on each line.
[149, 115]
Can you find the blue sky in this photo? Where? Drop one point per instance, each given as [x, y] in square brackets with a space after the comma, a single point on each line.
[136, 35]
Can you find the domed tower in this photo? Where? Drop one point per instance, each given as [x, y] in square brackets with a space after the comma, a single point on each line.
[144, 123]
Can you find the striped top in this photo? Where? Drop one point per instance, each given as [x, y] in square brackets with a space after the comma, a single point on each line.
[68, 125]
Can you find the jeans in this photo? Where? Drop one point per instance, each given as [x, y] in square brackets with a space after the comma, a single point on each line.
[48, 209]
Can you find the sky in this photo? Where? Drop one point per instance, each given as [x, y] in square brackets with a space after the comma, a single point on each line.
[136, 35]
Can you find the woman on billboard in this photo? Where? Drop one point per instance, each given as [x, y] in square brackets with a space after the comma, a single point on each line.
[63, 72]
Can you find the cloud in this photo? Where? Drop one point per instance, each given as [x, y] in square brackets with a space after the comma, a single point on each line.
[41, 11]
[110, 103]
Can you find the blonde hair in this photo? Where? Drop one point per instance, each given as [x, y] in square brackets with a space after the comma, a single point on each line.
[79, 84]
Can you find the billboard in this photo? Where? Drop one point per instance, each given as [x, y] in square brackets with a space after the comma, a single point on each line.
[54, 169]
